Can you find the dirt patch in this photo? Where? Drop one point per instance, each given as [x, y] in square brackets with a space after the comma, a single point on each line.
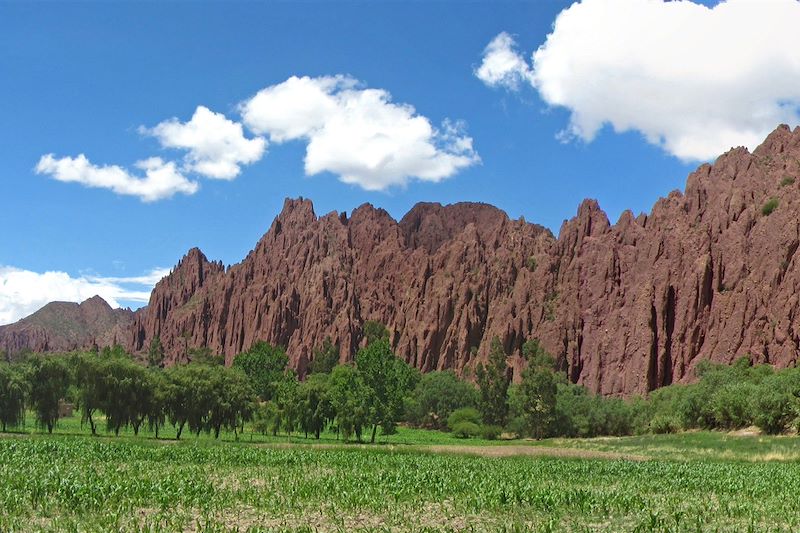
[534, 451]
[751, 431]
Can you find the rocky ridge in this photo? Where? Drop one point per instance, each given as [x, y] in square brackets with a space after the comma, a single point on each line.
[710, 273]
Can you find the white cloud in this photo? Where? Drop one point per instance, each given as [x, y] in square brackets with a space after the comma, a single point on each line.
[693, 80]
[503, 65]
[23, 292]
[216, 146]
[161, 180]
[359, 134]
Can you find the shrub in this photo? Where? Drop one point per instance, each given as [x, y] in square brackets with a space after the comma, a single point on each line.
[465, 414]
[466, 430]
[769, 206]
[491, 432]
[663, 423]
[788, 180]
[774, 411]
[435, 398]
[732, 405]
[531, 263]
[516, 426]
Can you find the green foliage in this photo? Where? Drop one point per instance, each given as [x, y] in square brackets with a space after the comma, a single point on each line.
[531, 263]
[14, 389]
[466, 430]
[315, 409]
[465, 414]
[325, 358]
[490, 432]
[352, 400]
[436, 396]
[769, 206]
[49, 379]
[155, 354]
[787, 180]
[664, 423]
[374, 331]
[389, 378]
[204, 356]
[265, 365]
[493, 381]
[538, 389]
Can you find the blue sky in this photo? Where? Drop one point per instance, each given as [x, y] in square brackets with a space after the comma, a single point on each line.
[97, 78]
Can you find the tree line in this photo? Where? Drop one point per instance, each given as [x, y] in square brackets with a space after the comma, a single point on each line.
[378, 391]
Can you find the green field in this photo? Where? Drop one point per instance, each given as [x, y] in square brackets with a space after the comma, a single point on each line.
[415, 481]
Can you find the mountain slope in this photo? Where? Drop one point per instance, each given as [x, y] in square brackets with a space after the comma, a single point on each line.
[63, 326]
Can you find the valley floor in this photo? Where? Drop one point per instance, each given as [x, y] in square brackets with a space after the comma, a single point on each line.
[413, 481]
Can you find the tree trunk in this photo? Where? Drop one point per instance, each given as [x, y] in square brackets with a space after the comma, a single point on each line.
[180, 430]
[91, 424]
[50, 427]
[374, 430]
[4, 426]
[216, 432]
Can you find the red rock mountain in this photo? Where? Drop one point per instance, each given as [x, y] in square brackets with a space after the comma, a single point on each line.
[710, 273]
[64, 326]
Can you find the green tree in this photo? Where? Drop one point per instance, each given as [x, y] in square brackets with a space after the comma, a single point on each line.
[315, 409]
[127, 395]
[493, 380]
[389, 378]
[351, 399]
[155, 355]
[49, 380]
[538, 390]
[156, 410]
[89, 375]
[189, 398]
[287, 403]
[374, 331]
[231, 402]
[437, 395]
[325, 358]
[13, 392]
[264, 365]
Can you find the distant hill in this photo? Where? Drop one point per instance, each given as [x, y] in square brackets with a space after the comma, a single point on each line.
[63, 326]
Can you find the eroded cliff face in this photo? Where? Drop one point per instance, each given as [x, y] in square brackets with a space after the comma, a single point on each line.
[625, 308]
[443, 280]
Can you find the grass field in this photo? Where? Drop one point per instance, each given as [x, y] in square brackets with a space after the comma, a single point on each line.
[688, 482]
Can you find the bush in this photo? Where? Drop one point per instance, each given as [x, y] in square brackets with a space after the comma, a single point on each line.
[774, 411]
[466, 430]
[663, 423]
[788, 180]
[465, 414]
[516, 426]
[732, 405]
[769, 206]
[490, 432]
[435, 398]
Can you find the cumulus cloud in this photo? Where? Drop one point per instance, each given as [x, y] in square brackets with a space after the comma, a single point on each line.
[358, 133]
[23, 292]
[216, 146]
[692, 79]
[503, 65]
[161, 179]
